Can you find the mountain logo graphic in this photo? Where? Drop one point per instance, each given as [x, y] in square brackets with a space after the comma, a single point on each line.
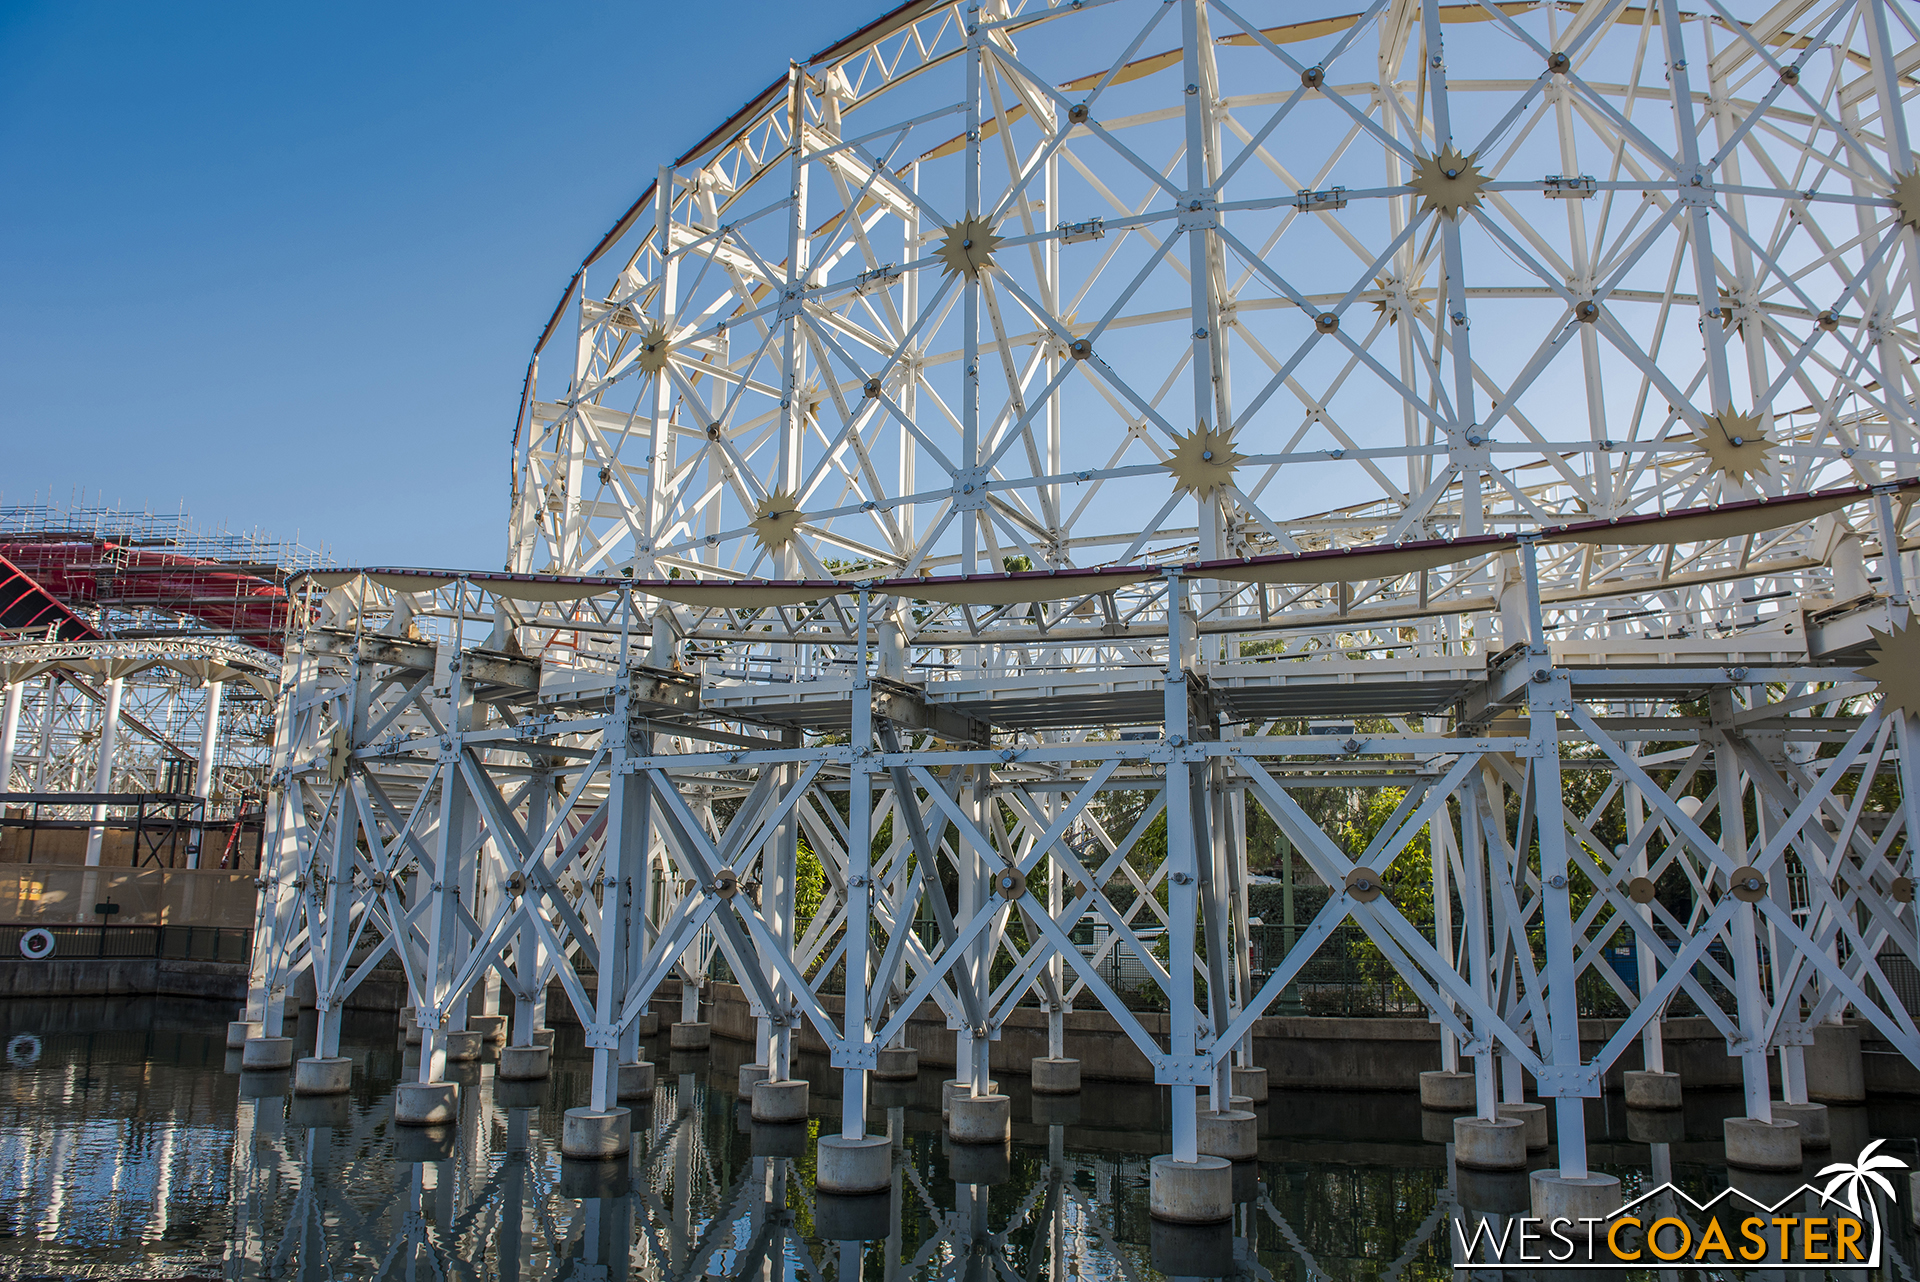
[1836, 1224]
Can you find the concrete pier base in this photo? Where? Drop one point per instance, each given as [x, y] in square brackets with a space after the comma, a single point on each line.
[1055, 1076]
[635, 1081]
[1252, 1083]
[492, 1028]
[647, 1025]
[411, 1030]
[1556, 1197]
[853, 1167]
[426, 1103]
[1657, 1092]
[587, 1134]
[524, 1063]
[1446, 1092]
[464, 1046]
[1816, 1128]
[266, 1053]
[750, 1076]
[1535, 1116]
[543, 1037]
[1197, 1192]
[1231, 1133]
[690, 1037]
[953, 1088]
[323, 1076]
[240, 1030]
[1490, 1144]
[779, 1102]
[980, 1119]
[1763, 1146]
[898, 1064]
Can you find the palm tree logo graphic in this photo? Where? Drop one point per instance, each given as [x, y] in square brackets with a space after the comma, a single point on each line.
[1853, 1183]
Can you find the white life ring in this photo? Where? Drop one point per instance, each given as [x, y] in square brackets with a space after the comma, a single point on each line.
[36, 944]
[23, 1050]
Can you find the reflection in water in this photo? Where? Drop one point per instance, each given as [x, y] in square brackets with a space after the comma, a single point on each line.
[134, 1147]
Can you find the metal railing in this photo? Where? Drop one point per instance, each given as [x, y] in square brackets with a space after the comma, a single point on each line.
[159, 943]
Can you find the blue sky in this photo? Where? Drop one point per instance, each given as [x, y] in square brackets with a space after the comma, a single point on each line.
[283, 264]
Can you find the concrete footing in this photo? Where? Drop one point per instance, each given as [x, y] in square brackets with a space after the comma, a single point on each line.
[1446, 1092]
[240, 1030]
[266, 1053]
[897, 1064]
[1231, 1133]
[1535, 1116]
[1490, 1144]
[1657, 1092]
[690, 1037]
[464, 1045]
[492, 1028]
[1816, 1128]
[647, 1025]
[953, 1088]
[1197, 1192]
[750, 1076]
[776, 1101]
[1558, 1197]
[524, 1063]
[1055, 1076]
[426, 1103]
[1763, 1146]
[980, 1119]
[412, 1032]
[635, 1080]
[1252, 1083]
[330, 1075]
[585, 1133]
[543, 1037]
[857, 1166]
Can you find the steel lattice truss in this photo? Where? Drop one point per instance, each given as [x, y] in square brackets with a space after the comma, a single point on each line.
[976, 284]
[1185, 219]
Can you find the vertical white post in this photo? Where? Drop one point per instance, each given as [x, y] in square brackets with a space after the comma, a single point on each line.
[203, 772]
[1182, 867]
[103, 770]
[858, 1053]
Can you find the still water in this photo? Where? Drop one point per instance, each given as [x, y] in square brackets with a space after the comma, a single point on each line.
[131, 1146]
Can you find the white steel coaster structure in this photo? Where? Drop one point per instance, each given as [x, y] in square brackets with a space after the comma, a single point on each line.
[133, 716]
[898, 483]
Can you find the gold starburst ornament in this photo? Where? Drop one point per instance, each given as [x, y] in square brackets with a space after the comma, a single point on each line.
[1906, 197]
[968, 247]
[1448, 182]
[1894, 665]
[1203, 461]
[776, 519]
[1735, 445]
[654, 348]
